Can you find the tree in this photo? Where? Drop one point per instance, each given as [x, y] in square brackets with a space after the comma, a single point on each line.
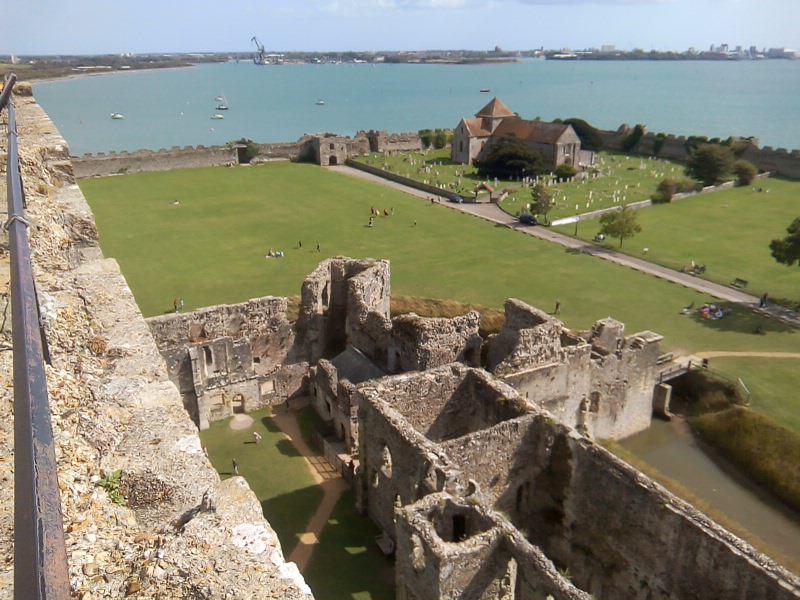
[590, 137]
[565, 171]
[620, 224]
[440, 139]
[510, 158]
[710, 163]
[541, 200]
[787, 250]
[426, 137]
[745, 172]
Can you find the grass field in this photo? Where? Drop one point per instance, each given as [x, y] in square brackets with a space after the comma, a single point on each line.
[346, 564]
[210, 249]
[728, 231]
[623, 179]
[773, 383]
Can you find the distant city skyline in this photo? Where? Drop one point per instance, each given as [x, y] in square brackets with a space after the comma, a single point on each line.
[95, 27]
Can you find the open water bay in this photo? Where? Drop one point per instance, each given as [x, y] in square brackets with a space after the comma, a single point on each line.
[271, 104]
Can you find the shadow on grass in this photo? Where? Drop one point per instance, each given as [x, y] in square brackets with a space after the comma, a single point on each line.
[741, 320]
[286, 448]
[347, 563]
[289, 514]
[270, 425]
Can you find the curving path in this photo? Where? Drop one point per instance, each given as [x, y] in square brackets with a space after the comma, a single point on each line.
[494, 214]
[332, 485]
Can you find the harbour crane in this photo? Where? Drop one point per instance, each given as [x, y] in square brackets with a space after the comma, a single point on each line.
[261, 57]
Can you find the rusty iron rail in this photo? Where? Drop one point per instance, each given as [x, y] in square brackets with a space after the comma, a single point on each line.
[40, 557]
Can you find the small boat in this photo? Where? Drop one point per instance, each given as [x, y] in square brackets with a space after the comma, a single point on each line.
[117, 116]
[320, 102]
[485, 90]
[219, 98]
[217, 116]
[222, 107]
[223, 103]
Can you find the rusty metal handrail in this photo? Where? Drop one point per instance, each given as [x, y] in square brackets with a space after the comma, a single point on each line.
[40, 557]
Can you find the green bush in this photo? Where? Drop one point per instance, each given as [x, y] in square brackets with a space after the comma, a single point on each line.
[441, 137]
[251, 148]
[745, 172]
[659, 143]
[669, 187]
[566, 171]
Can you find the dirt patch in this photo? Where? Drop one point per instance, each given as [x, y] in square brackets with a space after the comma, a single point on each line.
[240, 422]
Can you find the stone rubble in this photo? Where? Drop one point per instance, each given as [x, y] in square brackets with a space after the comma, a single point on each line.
[162, 525]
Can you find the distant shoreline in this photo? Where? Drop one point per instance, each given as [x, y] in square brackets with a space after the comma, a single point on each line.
[69, 76]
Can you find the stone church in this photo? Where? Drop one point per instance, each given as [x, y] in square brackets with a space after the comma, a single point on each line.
[557, 142]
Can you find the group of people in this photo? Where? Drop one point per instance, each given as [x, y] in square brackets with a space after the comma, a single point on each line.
[280, 253]
[714, 312]
[375, 212]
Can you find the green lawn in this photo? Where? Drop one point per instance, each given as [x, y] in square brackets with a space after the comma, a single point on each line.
[773, 383]
[728, 231]
[346, 563]
[210, 250]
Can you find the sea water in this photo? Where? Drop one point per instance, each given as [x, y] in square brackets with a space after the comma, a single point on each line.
[279, 103]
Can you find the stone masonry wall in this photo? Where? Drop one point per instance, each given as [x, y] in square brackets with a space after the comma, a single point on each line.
[118, 163]
[114, 408]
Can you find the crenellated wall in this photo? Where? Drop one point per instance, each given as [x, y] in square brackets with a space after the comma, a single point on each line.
[120, 163]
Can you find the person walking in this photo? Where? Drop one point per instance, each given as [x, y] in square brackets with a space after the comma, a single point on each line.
[235, 466]
[762, 303]
[318, 248]
[558, 308]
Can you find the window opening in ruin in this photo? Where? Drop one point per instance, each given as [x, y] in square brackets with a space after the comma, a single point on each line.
[459, 528]
[386, 462]
[208, 355]
[325, 294]
[256, 360]
[594, 402]
[333, 161]
[333, 146]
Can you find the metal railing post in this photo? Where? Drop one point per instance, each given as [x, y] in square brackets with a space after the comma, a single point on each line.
[40, 557]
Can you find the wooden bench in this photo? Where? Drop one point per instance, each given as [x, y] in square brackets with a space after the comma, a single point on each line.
[739, 283]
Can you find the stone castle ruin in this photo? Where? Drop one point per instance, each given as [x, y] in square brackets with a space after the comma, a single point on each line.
[474, 455]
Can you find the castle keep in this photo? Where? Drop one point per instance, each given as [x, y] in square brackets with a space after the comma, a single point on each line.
[475, 455]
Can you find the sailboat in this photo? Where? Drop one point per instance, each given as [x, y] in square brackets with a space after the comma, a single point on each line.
[223, 103]
[217, 116]
[320, 102]
[117, 116]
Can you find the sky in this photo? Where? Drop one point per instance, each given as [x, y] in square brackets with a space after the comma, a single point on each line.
[116, 26]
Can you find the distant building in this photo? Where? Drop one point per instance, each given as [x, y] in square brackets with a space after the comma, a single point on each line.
[608, 48]
[557, 142]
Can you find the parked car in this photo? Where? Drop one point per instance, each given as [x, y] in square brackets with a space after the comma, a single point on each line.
[527, 219]
[457, 199]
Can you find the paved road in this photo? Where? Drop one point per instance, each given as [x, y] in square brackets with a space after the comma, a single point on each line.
[491, 212]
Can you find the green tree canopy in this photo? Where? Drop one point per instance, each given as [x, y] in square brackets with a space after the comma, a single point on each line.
[787, 250]
[710, 163]
[541, 200]
[510, 158]
[620, 224]
[745, 172]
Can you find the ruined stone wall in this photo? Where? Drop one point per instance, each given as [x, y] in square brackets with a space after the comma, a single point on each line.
[420, 343]
[491, 561]
[231, 357]
[115, 409]
[368, 325]
[600, 383]
[119, 163]
[398, 464]
[381, 141]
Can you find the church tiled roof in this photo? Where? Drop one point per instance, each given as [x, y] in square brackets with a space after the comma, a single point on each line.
[533, 131]
[475, 128]
[495, 109]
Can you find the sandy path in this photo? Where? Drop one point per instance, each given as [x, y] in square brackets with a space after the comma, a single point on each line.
[333, 486]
